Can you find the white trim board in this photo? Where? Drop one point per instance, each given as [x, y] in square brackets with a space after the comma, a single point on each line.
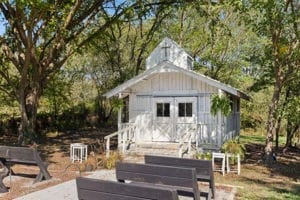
[170, 67]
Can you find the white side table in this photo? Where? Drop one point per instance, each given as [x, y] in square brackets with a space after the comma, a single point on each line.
[218, 156]
[78, 152]
[238, 170]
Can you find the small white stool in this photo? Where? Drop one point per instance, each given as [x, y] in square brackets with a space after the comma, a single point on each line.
[78, 152]
[238, 170]
[218, 156]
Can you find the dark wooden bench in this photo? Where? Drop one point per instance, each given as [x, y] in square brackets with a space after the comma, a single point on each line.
[203, 168]
[93, 189]
[21, 155]
[183, 180]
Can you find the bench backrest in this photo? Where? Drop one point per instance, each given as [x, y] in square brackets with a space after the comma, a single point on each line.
[19, 154]
[166, 175]
[203, 167]
[92, 189]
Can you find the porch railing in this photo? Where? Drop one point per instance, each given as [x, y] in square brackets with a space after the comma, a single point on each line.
[185, 141]
[126, 135]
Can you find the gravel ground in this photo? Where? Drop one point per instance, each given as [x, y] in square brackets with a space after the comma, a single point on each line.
[67, 190]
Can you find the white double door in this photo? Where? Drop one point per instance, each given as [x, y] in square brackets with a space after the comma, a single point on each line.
[173, 117]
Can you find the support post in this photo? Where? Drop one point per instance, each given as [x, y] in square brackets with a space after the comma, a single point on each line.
[219, 122]
[124, 141]
[107, 147]
[119, 123]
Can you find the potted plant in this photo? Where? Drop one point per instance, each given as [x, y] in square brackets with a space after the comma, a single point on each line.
[235, 148]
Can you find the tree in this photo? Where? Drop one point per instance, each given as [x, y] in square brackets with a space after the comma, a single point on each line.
[41, 35]
[278, 22]
[220, 44]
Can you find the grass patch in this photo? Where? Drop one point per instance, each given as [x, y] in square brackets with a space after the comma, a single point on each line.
[251, 137]
[257, 181]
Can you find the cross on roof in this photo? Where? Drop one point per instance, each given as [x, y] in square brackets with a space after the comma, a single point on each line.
[165, 48]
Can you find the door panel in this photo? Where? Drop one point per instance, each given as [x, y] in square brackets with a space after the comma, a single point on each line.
[185, 116]
[163, 119]
[173, 117]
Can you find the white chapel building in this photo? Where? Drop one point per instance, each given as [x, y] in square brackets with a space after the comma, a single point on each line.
[170, 103]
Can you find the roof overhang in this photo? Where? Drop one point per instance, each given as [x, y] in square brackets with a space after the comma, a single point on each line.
[169, 67]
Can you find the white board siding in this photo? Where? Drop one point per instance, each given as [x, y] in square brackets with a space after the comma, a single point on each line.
[173, 84]
[172, 81]
[141, 114]
[232, 123]
[208, 132]
[175, 54]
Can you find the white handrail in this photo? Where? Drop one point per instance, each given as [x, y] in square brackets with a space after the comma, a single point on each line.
[188, 136]
[125, 135]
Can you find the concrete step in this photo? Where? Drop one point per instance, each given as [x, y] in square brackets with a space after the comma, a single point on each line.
[158, 145]
[138, 151]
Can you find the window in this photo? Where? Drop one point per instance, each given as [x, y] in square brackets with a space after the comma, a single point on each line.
[185, 109]
[232, 104]
[163, 109]
[125, 110]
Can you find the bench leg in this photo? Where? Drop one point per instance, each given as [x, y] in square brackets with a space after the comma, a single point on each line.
[212, 188]
[3, 188]
[43, 174]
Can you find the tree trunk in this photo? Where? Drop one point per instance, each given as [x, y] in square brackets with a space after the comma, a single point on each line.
[289, 135]
[271, 125]
[290, 132]
[277, 130]
[28, 107]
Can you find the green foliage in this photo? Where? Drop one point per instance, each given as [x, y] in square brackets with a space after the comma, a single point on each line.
[203, 156]
[254, 113]
[117, 103]
[222, 104]
[234, 147]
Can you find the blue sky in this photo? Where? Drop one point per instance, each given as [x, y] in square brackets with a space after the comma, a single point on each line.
[2, 29]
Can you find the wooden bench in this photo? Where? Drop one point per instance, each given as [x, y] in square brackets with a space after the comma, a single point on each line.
[21, 155]
[183, 180]
[93, 189]
[203, 168]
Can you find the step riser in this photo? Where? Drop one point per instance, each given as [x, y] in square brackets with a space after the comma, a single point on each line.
[148, 151]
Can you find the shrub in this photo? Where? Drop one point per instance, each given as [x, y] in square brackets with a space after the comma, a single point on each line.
[91, 163]
[203, 156]
[110, 162]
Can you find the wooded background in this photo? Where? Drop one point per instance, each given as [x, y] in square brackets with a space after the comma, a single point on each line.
[58, 57]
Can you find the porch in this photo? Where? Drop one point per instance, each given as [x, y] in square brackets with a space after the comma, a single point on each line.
[193, 139]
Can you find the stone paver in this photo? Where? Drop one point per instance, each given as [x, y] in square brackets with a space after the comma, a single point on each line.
[68, 191]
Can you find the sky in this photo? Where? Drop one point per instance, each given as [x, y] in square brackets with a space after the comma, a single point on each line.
[2, 29]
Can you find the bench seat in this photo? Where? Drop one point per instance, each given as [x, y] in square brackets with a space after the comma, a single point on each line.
[95, 189]
[204, 170]
[183, 180]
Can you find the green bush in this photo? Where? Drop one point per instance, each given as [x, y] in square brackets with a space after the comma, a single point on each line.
[203, 156]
